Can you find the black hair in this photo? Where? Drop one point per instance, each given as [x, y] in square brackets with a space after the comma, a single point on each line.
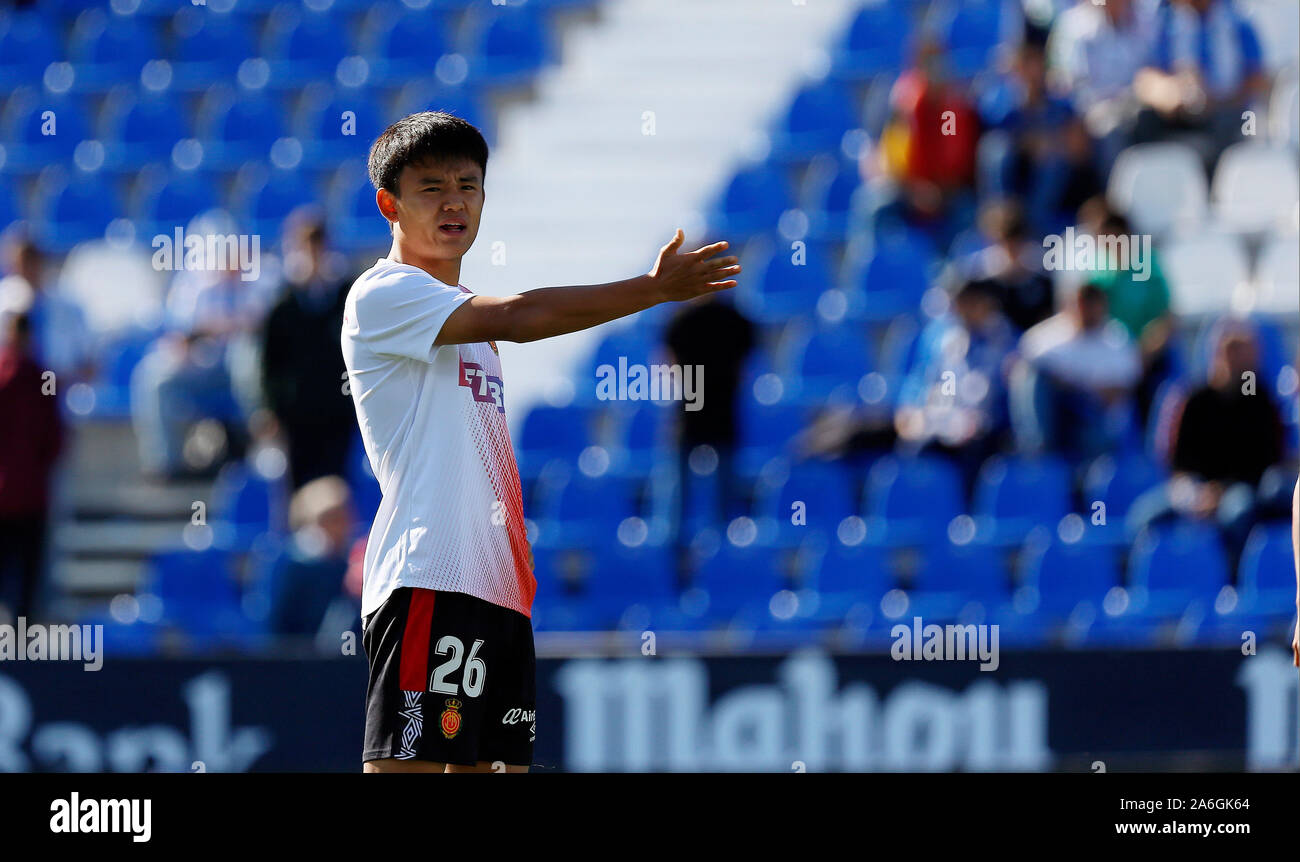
[427, 136]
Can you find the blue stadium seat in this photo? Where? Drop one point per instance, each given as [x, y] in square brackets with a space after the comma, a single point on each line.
[464, 101]
[1117, 481]
[117, 360]
[38, 129]
[208, 46]
[816, 121]
[735, 577]
[829, 201]
[831, 358]
[327, 137]
[952, 576]
[234, 127]
[877, 42]
[911, 500]
[9, 209]
[355, 223]
[765, 432]
[549, 433]
[895, 275]
[401, 47]
[264, 199]
[197, 588]
[73, 207]
[28, 43]
[137, 129]
[246, 505]
[788, 289]
[107, 48]
[826, 493]
[970, 29]
[846, 577]
[164, 200]
[1171, 568]
[302, 46]
[1014, 494]
[623, 578]
[582, 510]
[642, 438]
[505, 45]
[752, 202]
[366, 493]
[1265, 576]
[1065, 574]
[137, 638]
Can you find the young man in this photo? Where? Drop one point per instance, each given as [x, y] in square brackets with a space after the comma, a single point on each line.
[448, 572]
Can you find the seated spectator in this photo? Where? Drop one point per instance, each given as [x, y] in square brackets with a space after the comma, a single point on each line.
[1094, 53]
[1138, 296]
[1034, 147]
[59, 339]
[1205, 69]
[31, 436]
[302, 366]
[953, 400]
[1013, 263]
[1071, 393]
[308, 579]
[200, 367]
[926, 152]
[1223, 438]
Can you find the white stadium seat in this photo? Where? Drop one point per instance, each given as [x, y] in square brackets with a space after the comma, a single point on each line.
[1255, 187]
[1277, 276]
[1159, 186]
[1207, 273]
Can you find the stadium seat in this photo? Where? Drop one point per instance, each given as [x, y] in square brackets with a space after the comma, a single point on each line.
[765, 432]
[816, 120]
[1277, 277]
[463, 101]
[971, 30]
[39, 130]
[137, 129]
[73, 207]
[950, 577]
[582, 510]
[789, 286]
[28, 43]
[642, 438]
[164, 201]
[264, 198]
[197, 588]
[1014, 494]
[302, 46]
[1265, 576]
[106, 48]
[549, 433]
[338, 125]
[1159, 186]
[824, 489]
[401, 47]
[1063, 574]
[355, 223]
[208, 46]
[1205, 272]
[137, 638]
[895, 275]
[1173, 567]
[366, 493]
[623, 577]
[846, 578]
[505, 45]
[911, 500]
[752, 202]
[1255, 187]
[831, 358]
[1117, 480]
[734, 577]
[828, 200]
[234, 127]
[877, 42]
[246, 505]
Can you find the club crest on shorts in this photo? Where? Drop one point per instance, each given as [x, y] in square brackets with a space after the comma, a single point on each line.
[450, 721]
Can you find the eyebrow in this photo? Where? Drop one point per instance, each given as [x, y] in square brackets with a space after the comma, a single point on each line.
[468, 178]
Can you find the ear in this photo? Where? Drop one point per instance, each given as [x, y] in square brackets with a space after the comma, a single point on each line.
[387, 204]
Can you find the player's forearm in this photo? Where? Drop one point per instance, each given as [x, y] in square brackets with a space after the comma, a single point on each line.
[551, 311]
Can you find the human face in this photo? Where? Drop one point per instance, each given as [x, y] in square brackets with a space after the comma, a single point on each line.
[437, 211]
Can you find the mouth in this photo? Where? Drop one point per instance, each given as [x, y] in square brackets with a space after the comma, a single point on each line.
[453, 227]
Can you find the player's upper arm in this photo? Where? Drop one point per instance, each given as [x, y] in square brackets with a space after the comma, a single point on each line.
[403, 314]
[480, 318]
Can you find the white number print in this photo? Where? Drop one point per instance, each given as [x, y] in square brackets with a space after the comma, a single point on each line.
[475, 669]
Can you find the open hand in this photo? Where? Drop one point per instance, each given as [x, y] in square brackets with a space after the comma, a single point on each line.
[694, 273]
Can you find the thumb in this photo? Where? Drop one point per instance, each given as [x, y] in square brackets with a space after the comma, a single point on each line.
[676, 242]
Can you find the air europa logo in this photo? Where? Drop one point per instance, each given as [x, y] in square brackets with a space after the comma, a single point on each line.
[483, 386]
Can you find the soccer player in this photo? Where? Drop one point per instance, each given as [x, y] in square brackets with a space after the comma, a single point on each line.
[448, 571]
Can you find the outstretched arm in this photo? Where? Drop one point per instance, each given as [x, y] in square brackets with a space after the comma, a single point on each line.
[549, 311]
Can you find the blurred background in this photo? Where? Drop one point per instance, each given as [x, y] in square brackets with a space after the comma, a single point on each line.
[1016, 343]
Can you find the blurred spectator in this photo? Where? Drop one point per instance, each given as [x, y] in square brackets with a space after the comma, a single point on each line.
[927, 150]
[709, 333]
[953, 400]
[1013, 263]
[31, 436]
[1224, 437]
[1094, 54]
[1205, 69]
[203, 367]
[1137, 293]
[1035, 149]
[309, 576]
[59, 337]
[1071, 393]
[302, 365]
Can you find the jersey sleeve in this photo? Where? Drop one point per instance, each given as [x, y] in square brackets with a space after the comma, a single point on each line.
[402, 314]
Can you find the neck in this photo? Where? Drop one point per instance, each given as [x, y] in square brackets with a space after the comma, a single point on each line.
[446, 271]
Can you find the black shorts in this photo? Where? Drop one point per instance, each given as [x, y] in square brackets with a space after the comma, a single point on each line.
[452, 680]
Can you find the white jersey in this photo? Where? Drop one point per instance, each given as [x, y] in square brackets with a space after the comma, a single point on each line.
[434, 427]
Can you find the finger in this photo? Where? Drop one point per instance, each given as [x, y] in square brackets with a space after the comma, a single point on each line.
[709, 251]
[723, 285]
[676, 242]
[726, 270]
[724, 261]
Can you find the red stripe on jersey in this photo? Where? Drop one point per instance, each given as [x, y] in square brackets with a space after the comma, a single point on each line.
[413, 666]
